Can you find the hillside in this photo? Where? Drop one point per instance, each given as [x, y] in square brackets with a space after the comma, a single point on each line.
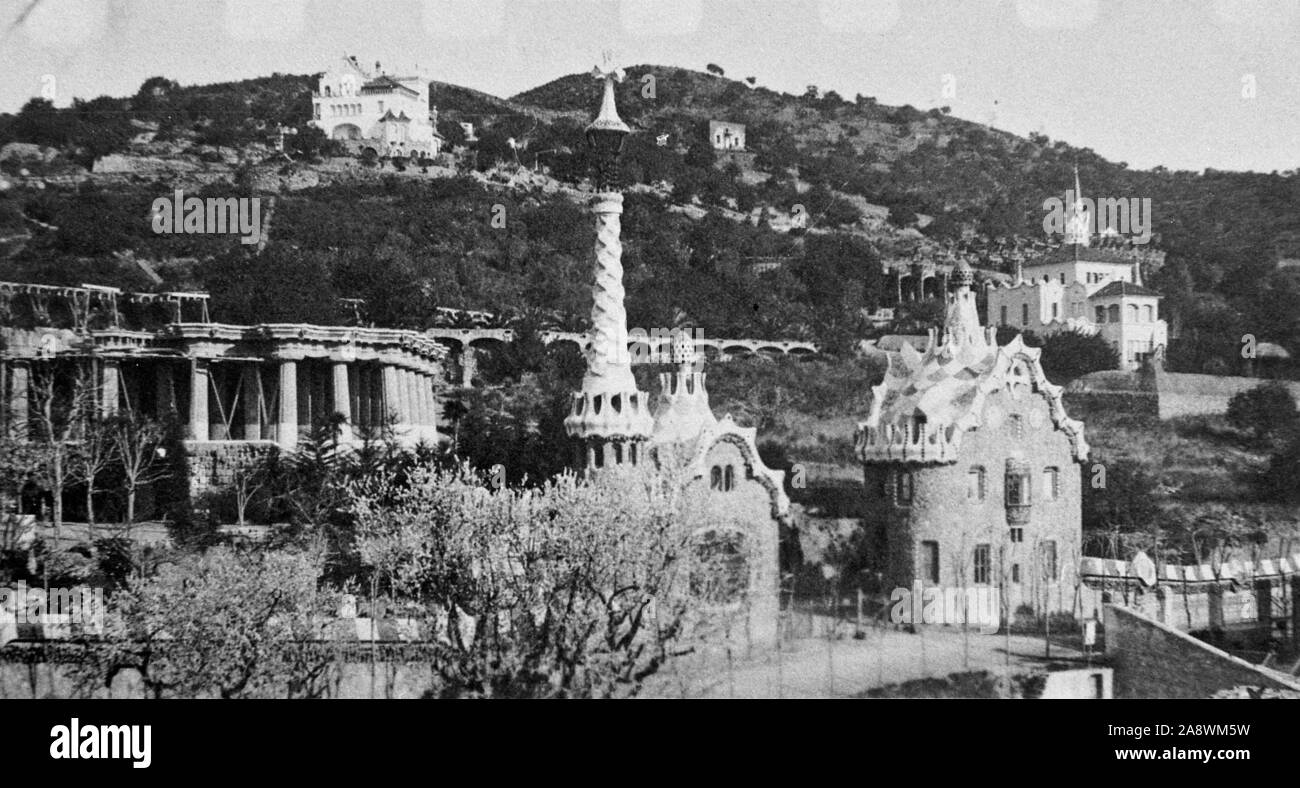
[407, 239]
[875, 182]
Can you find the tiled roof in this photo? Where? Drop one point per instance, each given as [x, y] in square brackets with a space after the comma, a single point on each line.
[894, 342]
[1068, 253]
[386, 84]
[926, 402]
[1123, 289]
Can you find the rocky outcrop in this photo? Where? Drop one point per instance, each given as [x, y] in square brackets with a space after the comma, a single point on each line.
[149, 166]
[27, 152]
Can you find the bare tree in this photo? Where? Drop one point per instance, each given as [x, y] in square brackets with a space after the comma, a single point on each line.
[137, 441]
[246, 481]
[94, 454]
[57, 415]
[225, 624]
[18, 459]
[569, 589]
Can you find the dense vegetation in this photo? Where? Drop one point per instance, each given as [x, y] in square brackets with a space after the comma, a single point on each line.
[1223, 231]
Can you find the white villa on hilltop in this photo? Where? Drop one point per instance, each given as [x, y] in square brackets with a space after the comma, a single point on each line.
[375, 110]
[1079, 287]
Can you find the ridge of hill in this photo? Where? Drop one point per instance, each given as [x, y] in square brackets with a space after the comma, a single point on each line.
[866, 173]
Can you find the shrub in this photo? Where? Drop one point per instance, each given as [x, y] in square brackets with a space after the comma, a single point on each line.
[221, 624]
[1266, 410]
[1071, 354]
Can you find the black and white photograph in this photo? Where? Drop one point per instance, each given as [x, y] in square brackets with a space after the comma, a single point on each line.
[657, 349]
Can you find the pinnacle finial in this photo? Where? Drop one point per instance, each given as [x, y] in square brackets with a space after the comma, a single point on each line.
[607, 119]
[1078, 231]
[962, 274]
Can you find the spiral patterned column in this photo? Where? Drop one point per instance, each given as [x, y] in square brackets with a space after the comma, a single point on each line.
[609, 406]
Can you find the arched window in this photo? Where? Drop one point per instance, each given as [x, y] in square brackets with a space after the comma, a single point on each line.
[930, 562]
[1100, 317]
[1051, 484]
[1017, 487]
[1149, 313]
[729, 478]
[1133, 313]
[1047, 559]
[328, 92]
[904, 490]
[1112, 313]
[715, 477]
[975, 483]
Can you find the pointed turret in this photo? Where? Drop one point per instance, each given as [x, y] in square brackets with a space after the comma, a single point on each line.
[961, 325]
[1078, 228]
[682, 413]
[609, 415]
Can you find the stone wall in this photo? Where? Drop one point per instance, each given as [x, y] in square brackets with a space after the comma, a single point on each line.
[746, 509]
[1091, 683]
[1152, 660]
[1182, 394]
[212, 464]
[1167, 394]
[348, 680]
[1190, 610]
[1128, 392]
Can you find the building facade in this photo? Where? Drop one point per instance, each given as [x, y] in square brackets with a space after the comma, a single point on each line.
[971, 468]
[235, 391]
[1092, 290]
[375, 110]
[726, 136]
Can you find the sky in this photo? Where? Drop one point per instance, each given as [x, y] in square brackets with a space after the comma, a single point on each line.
[1184, 84]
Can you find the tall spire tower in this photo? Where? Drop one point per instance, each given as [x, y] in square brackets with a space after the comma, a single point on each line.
[609, 415]
[1078, 229]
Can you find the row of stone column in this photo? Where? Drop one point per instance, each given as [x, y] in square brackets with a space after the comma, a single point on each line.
[915, 290]
[409, 399]
[367, 400]
[404, 395]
